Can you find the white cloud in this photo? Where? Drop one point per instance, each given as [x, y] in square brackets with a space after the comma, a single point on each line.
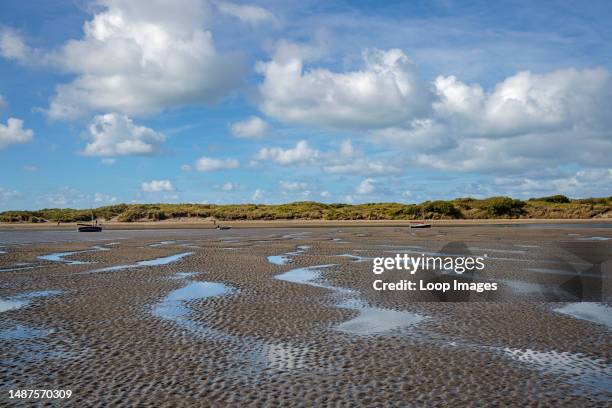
[301, 153]
[156, 186]
[13, 47]
[8, 195]
[251, 128]
[347, 149]
[13, 132]
[3, 103]
[30, 168]
[583, 183]
[114, 134]
[229, 186]
[212, 164]
[366, 186]
[325, 194]
[108, 161]
[526, 102]
[136, 57]
[292, 185]
[527, 122]
[104, 198]
[421, 135]
[66, 196]
[258, 195]
[384, 93]
[246, 13]
[361, 166]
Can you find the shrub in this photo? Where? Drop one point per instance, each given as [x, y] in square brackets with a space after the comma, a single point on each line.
[442, 207]
[504, 206]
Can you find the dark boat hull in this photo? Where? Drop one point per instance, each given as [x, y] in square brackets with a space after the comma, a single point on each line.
[91, 228]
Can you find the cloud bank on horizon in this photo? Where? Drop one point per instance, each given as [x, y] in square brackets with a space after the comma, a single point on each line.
[216, 101]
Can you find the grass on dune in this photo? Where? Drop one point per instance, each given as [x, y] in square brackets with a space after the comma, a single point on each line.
[557, 206]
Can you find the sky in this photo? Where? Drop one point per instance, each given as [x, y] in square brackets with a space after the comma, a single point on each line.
[147, 101]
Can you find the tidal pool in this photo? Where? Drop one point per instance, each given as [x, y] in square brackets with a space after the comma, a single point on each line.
[375, 320]
[173, 305]
[162, 243]
[165, 260]
[356, 258]
[594, 239]
[589, 311]
[369, 321]
[23, 299]
[21, 332]
[59, 256]
[284, 258]
[11, 304]
[590, 375]
[278, 259]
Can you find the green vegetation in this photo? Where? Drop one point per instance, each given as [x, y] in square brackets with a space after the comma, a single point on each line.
[553, 199]
[557, 206]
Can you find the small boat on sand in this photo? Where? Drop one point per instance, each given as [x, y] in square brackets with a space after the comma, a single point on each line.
[89, 228]
[93, 227]
[419, 225]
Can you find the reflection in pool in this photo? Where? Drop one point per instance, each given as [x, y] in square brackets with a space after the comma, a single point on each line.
[369, 321]
[173, 305]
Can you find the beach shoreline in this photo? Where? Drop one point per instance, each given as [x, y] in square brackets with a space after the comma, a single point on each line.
[207, 224]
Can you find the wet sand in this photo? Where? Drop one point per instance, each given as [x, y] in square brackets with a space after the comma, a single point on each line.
[288, 317]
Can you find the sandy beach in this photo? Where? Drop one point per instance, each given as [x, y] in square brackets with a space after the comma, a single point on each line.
[281, 316]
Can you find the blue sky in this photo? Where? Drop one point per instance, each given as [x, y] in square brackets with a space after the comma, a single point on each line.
[228, 102]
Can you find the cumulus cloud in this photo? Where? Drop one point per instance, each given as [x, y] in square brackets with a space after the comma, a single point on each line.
[114, 134]
[301, 153]
[386, 91]
[366, 186]
[251, 128]
[246, 13]
[156, 186]
[419, 135]
[525, 123]
[136, 57]
[292, 185]
[212, 164]
[526, 102]
[13, 132]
